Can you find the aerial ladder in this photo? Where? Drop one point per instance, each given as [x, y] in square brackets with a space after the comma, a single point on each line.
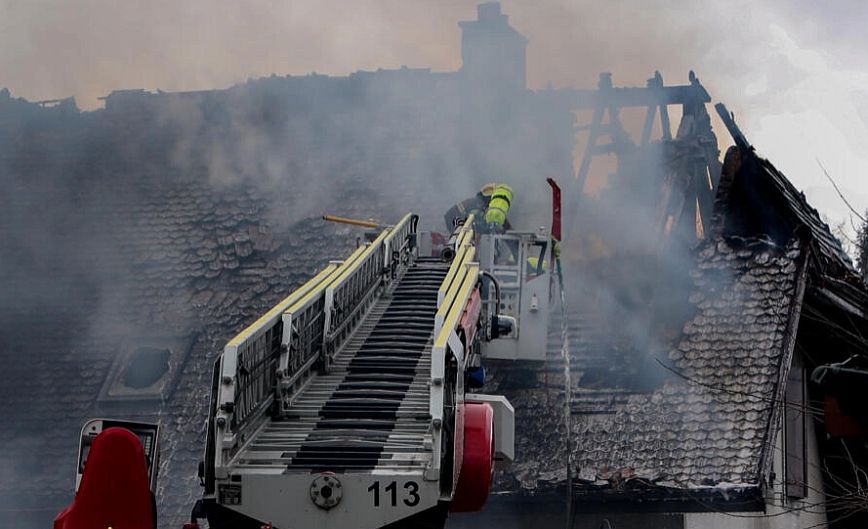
[353, 402]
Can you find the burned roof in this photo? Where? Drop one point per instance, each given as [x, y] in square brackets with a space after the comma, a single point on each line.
[165, 268]
[699, 428]
[826, 247]
[706, 425]
[757, 199]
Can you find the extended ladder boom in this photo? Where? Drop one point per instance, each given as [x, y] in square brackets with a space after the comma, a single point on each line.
[344, 405]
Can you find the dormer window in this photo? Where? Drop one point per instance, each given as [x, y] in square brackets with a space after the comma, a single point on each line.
[146, 368]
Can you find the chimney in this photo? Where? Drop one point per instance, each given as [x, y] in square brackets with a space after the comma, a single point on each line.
[493, 53]
[490, 12]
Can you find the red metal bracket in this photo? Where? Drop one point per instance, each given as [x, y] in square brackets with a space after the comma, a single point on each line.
[556, 208]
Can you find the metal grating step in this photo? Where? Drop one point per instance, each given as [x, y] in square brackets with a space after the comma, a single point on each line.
[372, 409]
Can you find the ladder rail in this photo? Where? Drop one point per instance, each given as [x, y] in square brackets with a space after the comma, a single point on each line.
[248, 370]
[448, 347]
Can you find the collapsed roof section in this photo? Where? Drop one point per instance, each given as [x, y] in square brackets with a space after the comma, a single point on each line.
[757, 199]
[701, 432]
[705, 427]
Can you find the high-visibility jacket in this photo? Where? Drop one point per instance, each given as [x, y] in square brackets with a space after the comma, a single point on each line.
[533, 264]
[498, 207]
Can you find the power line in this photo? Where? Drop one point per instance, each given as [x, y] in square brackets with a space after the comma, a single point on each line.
[840, 194]
[811, 410]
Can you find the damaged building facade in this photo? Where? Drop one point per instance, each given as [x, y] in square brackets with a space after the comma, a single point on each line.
[138, 238]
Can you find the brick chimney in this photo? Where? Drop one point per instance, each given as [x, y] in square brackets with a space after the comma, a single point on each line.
[493, 53]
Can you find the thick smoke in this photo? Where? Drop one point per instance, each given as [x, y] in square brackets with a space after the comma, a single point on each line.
[107, 208]
[365, 146]
[782, 66]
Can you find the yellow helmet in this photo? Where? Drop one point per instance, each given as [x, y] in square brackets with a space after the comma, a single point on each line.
[488, 189]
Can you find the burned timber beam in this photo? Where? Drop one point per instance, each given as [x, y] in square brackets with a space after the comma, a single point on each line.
[608, 99]
[627, 97]
[729, 120]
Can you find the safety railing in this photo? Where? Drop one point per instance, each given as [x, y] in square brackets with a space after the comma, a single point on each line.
[400, 242]
[448, 350]
[255, 374]
[348, 296]
[303, 332]
[347, 299]
[249, 368]
[278, 352]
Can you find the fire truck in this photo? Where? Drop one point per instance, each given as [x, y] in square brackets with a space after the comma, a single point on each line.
[355, 402]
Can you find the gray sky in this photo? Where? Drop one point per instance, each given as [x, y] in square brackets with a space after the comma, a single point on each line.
[794, 71]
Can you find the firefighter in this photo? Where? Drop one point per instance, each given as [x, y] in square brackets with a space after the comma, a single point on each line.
[490, 207]
[498, 208]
